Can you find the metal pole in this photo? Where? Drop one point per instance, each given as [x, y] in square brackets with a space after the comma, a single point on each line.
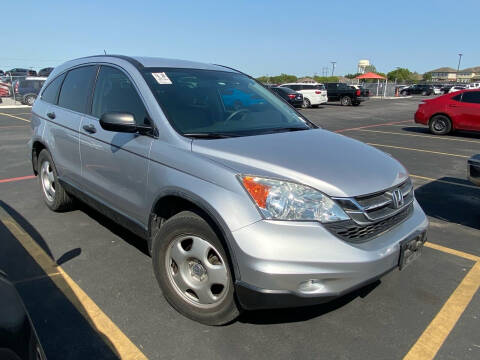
[333, 66]
[13, 90]
[458, 67]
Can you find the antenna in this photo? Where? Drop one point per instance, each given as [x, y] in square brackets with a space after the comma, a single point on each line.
[104, 51]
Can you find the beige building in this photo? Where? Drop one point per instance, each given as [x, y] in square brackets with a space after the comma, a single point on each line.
[448, 74]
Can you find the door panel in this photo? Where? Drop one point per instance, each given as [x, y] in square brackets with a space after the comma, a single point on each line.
[64, 129]
[471, 110]
[115, 164]
[115, 167]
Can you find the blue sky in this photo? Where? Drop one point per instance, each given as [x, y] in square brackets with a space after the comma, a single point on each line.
[256, 36]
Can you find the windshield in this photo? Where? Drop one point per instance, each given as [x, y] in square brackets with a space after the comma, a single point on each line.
[206, 102]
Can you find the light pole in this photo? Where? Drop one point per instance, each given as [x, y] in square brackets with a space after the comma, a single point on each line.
[333, 66]
[458, 67]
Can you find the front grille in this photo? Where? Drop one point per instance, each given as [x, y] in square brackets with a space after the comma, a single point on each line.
[375, 213]
[350, 231]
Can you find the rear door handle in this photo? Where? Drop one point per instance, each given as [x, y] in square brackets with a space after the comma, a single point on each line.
[51, 115]
[90, 128]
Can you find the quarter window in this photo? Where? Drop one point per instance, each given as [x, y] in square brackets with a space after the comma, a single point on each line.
[50, 94]
[76, 88]
[114, 92]
[471, 97]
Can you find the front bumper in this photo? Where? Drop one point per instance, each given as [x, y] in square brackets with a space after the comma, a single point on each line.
[285, 264]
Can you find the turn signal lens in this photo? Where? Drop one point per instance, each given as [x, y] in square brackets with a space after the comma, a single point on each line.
[258, 191]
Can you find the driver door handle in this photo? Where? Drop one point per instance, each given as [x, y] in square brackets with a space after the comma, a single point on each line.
[90, 128]
[51, 115]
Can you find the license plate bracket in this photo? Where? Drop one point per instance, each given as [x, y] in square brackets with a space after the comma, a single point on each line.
[411, 249]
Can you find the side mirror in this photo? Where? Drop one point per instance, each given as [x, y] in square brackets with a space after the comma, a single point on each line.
[120, 122]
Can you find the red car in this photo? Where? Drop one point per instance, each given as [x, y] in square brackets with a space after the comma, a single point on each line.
[456, 111]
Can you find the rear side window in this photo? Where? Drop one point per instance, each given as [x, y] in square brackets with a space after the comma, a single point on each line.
[76, 88]
[50, 94]
[471, 97]
[293, 87]
[114, 92]
[457, 97]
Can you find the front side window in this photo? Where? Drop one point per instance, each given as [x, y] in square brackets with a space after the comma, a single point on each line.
[114, 92]
[76, 88]
[472, 97]
[220, 103]
[50, 94]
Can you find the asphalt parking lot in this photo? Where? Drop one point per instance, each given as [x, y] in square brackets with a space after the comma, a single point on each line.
[91, 292]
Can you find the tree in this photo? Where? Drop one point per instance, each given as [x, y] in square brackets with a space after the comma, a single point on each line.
[400, 74]
[326, 79]
[352, 76]
[282, 79]
[427, 76]
[370, 68]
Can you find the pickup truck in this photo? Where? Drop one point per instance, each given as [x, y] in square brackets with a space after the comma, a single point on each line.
[345, 94]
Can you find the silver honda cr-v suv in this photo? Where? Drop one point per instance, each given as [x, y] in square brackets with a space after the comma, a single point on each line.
[244, 203]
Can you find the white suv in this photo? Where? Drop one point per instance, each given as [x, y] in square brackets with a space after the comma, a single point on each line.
[314, 94]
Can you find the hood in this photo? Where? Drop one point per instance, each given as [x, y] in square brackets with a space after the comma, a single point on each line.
[329, 162]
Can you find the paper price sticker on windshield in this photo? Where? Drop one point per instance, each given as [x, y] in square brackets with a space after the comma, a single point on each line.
[162, 78]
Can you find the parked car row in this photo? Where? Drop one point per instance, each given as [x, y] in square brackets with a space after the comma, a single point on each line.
[314, 94]
[26, 72]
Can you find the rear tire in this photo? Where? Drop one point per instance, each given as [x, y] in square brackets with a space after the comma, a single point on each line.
[306, 103]
[192, 269]
[424, 93]
[345, 101]
[53, 193]
[403, 93]
[29, 100]
[440, 125]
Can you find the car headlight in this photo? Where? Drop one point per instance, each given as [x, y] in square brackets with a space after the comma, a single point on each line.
[284, 200]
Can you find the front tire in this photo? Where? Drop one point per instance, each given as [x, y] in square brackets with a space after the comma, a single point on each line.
[192, 269]
[53, 192]
[440, 125]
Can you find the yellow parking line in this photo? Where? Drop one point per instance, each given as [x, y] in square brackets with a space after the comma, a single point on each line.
[444, 181]
[120, 344]
[428, 344]
[452, 251]
[15, 117]
[421, 150]
[423, 136]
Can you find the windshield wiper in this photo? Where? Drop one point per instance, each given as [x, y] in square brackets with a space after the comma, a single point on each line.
[286, 129]
[210, 135]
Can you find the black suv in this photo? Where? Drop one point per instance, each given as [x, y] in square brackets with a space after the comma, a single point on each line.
[424, 90]
[26, 90]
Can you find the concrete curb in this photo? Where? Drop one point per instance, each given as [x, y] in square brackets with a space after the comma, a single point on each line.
[391, 97]
[14, 106]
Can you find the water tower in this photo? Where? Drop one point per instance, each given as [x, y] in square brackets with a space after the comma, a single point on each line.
[362, 64]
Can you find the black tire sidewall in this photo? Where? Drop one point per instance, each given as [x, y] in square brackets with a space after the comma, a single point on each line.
[345, 101]
[61, 201]
[189, 223]
[447, 129]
